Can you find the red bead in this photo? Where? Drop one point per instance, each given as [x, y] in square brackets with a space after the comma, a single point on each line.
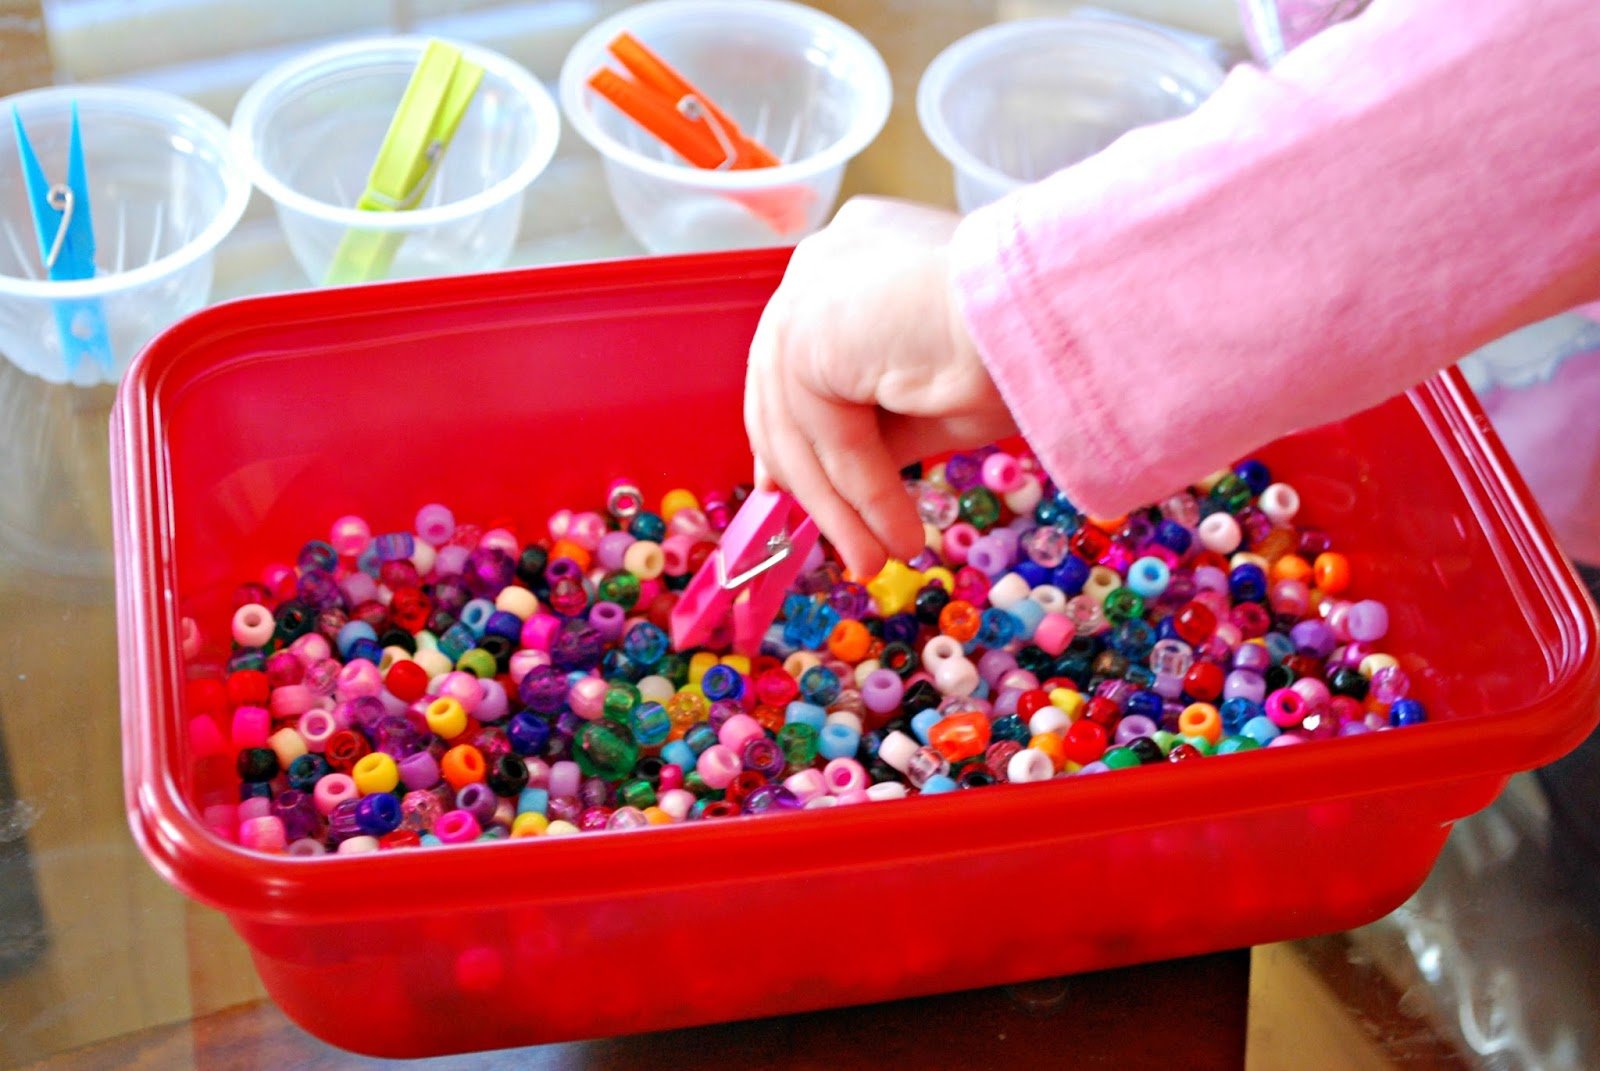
[407, 681]
[248, 688]
[1089, 543]
[659, 612]
[1211, 558]
[206, 695]
[344, 749]
[1052, 683]
[1204, 681]
[1251, 619]
[699, 554]
[1031, 702]
[1085, 742]
[776, 688]
[1194, 623]
[373, 613]
[1304, 666]
[400, 838]
[745, 783]
[410, 608]
[1103, 712]
[1183, 753]
[671, 777]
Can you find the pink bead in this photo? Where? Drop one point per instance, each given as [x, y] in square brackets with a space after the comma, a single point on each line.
[435, 523]
[205, 739]
[280, 580]
[718, 766]
[565, 777]
[251, 727]
[502, 540]
[450, 561]
[525, 662]
[586, 530]
[463, 687]
[222, 819]
[649, 589]
[957, 543]
[1220, 533]
[254, 807]
[333, 790]
[539, 630]
[457, 827]
[587, 698]
[311, 647]
[855, 796]
[807, 785]
[349, 536]
[738, 731]
[358, 678]
[611, 550]
[1228, 633]
[1055, 631]
[263, 834]
[495, 704]
[1314, 692]
[1287, 739]
[676, 802]
[1001, 473]
[691, 523]
[560, 523]
[538, 773]
[316, 726]
[953, 672]
[1019, 679]
[1290, 597]
[253, 625]
[290, 701]
[675, 554]
[1286, 708]
[189, 638]
[844, 775]
[882, 691]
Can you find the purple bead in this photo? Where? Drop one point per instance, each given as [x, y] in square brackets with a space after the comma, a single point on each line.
[1367, 621]
[576, 647]
[567, 725]
[478, 800]
[364, 712]
[393, 546]
[1180, 590]
[613, 547]
[1314, 638]
[763, 756]
[358, 588]
[995, 664]
[451, 596]
[989, 557]
[489, 570]
[319, 590]
[1094, 767]
[850, 600]
[925, 560]
[1255, 525]
[396, 737]
[963, 471]
[720, 711]
[1135, 533]
[543, 690]
[1244, 684]
[419, 771]
[297, 811]
[563, 569]
[882, 691]
[342, 823]
[1133, 727]
[1252, 657]
[1210, 578]
[1390, 684]
[608, 619]
[1168, 685]
[594, 819]
[563, 809]
[1005, 704]
[1353, 728]
[771, 798]
[594, 793]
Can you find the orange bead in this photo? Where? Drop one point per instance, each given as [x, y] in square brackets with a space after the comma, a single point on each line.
[1053, 745]
[566, 548]
[960, 736]
[1109, 525]
[1332, 572]
[1280, 542]
[1291, 567]
[462, 765]
[960, 620]
[770, 718]
[1201, 719]
[657, 817]
[849, 641]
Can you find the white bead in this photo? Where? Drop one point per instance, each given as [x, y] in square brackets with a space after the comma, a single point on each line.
[676, 802]
[1025, 498]
[1049, 719]
[1052, 598]
[886, 790]
[1008, 591]
[1280, 503]
[847, 719]
[358, 845]
[423, 555]
[655, 689]
[864, 670]
[897, 749]
[807, 785]
[1220, 533]
[1029, 764]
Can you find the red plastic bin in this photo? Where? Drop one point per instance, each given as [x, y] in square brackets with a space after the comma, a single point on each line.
[251, 426]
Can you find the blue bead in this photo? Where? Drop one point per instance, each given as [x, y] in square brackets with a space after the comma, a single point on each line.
[722, 682]
[650, 723]
[1248, 583]
[428, 840]
[774, 644]
[923, 722]
[811, 625]
[378, 814]
[504, 623]
[365, 649]
[996, 628]
[799, 713]
[394, 546]
[528, 733]
[533, 801]
[901, 628]
[1010, 727]
[700, 737]
[1140, 676]
[368, 561]
[679, 754]
[647, 526]
[1279, 646]
[616, 665]
[838, 741]
[1027, 614]
[936, 784]
[475, 615]
[1145, 704]
[1261, 730]
[1237, 712]
[1133, 640]
[305, 771]
[1407, 712]
[1255, 475]
[1148, 577]
[1166, 629]
[1032, 572]
[646, 644]
[351, 632]
[1174, 536]
[819, 685]
[457, 640]
[1071, 575]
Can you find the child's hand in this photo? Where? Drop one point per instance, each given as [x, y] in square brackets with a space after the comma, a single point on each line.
[861, 365]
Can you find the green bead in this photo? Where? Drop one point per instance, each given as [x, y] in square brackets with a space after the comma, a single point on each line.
[674, 667]
[622, 589]
[605, 749]
[1230, 744]
[621, 698]
[637, 793]
[1164, 740]
[1124, 604]
[1201, 744]
[478, 662]
[1231, 493]
[799, 744]
[695, 784]
[980, 508]
[1120, 758]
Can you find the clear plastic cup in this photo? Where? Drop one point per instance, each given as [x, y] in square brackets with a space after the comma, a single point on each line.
[310, 129]
[805, 85]
[1018, 101]
[164, 189]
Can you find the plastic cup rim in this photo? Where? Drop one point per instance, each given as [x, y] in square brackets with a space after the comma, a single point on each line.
[247, 117]
[950, 63]
[180, 114]
[590, 48]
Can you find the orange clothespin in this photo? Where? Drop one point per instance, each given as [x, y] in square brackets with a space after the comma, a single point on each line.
[662, 101]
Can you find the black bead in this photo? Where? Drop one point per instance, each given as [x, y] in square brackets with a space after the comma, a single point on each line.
[501, 648]
[1110, 664]
[1146, 750]
[531, 565]
[930, 603]
[294, 619]
[508, 776]
[1278, 676]
[912, 471]
[1035, 660]
[920, 696]
[1010, 727]
[975, 777]
[257, 764]
[1350, 682]
[650, 768]
[399, 637]
[901, 658]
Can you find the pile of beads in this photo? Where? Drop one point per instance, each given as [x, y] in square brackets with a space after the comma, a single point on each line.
[452, 684]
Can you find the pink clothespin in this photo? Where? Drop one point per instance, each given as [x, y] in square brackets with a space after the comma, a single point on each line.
[743, 583]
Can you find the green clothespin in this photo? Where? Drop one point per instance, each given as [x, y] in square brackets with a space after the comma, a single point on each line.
[440, 90]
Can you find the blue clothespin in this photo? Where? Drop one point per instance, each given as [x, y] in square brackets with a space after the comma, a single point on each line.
[65, 229]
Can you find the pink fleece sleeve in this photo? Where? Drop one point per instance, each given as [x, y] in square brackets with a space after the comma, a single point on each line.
[1312, 240]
